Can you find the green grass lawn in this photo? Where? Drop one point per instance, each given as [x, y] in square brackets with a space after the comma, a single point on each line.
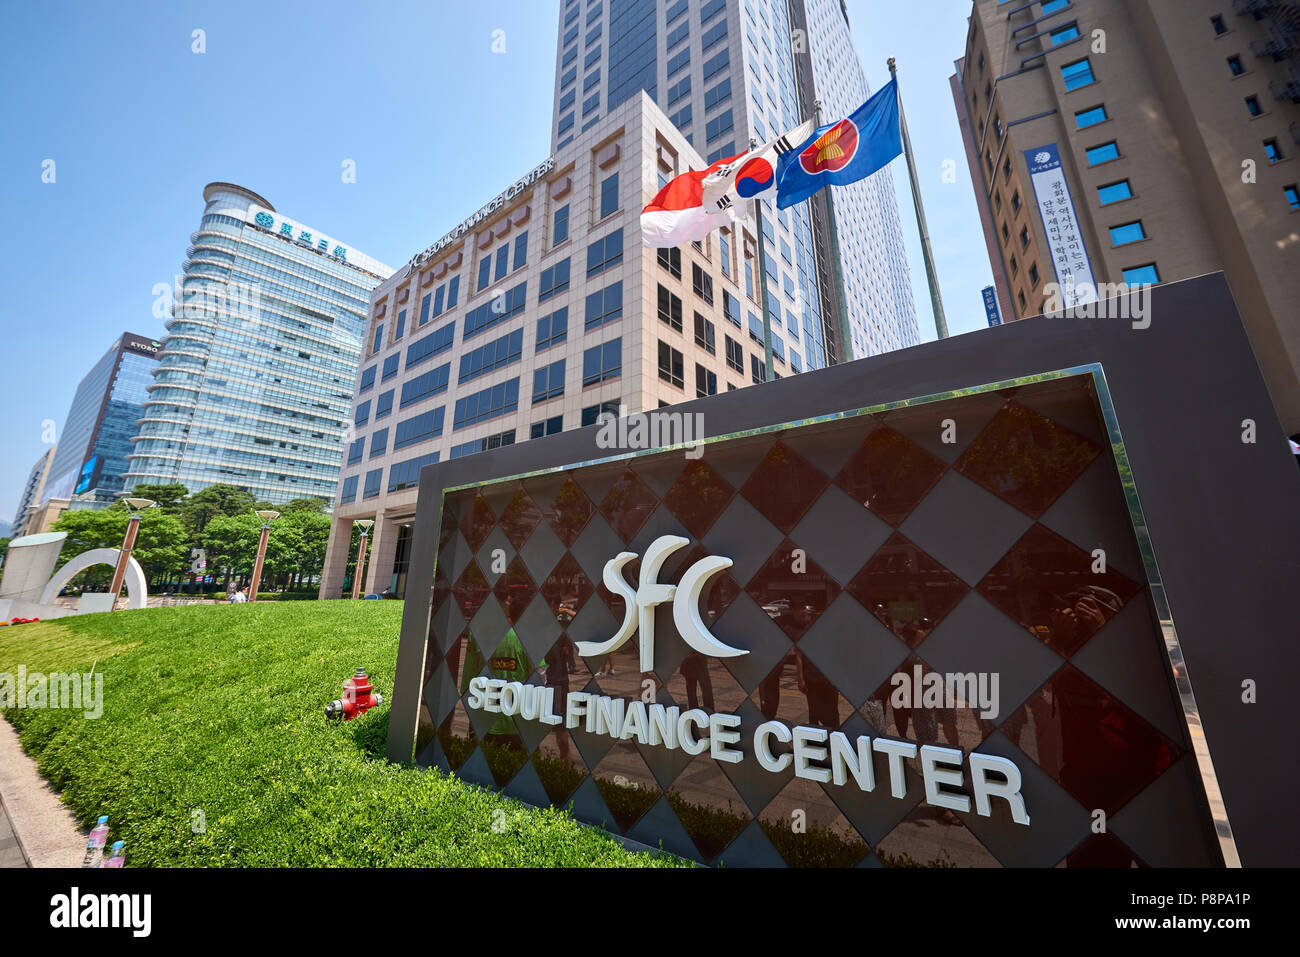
[219, 709]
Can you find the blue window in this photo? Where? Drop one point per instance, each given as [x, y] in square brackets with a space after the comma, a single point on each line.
[355, 450]
[379, 338]
[435, 343]
[548, 382]
[1086, 118]
[401, 325]
[406, 474]
[719, 94]
[555, 280]
[379, 443]
[1253, 107]
[566, 101]
[349, 491]
[716, 65]
[1292, 196]
[720, 125]
[521, 250]
[679, 89]
[367, 379]
[383, 404]
[726, 149]
[491, 356]
[373, 478]
[424, 308]
[604, 253]
[390, 366]
[553, 329]
[424, 385]
[1142, 275]
[1077, 74]
[591, 58]
[492, 402]
[560, 232]
[590, 80]
[1064, 35]
[1114, 192]
[1127, 233]
[453, 290]
[608, 195]
[711, 8]
[438, 295]
[604, 305]
[592, 413]
[1273, 151]
[362, 415]
[602, 362]
[1235, 66]
[713, 36]
[682, 118]
[679, 33]
[484, 272]
[546, 427]
[1051, 6]
[498, 309]
[679, 61]
[419, 428]
[731, 308]
[503, 261]
[676, 10]
[1103, 153]
[569, 76]
[590, 103]
[488, 443]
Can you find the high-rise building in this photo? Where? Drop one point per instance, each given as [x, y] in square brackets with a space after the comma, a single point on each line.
[254, 382]
[1137, 142]
[96, 438]
[32, 490]
[726, 72]
[538, 313]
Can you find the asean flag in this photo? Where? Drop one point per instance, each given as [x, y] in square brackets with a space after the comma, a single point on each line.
[841, 153]
[678, 215]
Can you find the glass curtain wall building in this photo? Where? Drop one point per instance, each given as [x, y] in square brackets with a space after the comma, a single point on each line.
[254, 385]
[726, 72]
[96, 439]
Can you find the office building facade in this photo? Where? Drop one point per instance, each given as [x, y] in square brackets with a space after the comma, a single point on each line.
[534, 316]
[726, 72]
[96, 439]
[254, 382]
[1165, 131]
[32, 490]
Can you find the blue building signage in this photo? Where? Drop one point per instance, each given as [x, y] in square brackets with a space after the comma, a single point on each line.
[991, 306]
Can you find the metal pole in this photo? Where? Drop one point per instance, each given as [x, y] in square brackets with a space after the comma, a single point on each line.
[361, 563]
[846, 333]
[124, 556]
[257, 565]
[762, 292]
[936, 301]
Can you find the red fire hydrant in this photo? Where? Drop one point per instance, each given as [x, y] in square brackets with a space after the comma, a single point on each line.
[358, 698]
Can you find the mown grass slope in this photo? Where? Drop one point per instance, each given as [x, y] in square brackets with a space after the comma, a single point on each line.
[213, 748]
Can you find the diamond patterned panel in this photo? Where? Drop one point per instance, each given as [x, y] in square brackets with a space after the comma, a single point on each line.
[906, 535]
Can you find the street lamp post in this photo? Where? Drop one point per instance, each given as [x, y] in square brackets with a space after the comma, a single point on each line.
[136, 505]
[267, 516]
[365, 524]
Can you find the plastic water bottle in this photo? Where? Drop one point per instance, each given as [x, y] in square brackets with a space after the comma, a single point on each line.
[95, 846]
[117, 857]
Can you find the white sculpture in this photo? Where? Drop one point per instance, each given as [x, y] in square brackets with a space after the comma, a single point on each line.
[30, 583]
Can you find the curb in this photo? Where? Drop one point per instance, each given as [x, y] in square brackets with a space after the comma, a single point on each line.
[45, 828]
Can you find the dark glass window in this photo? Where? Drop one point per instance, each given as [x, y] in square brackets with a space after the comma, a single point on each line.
[704, 334]
[419, 428]
[670, 309]
[670, 365]
[553, 329]
[555, 279]
[670, 258]
[735, 355]
[362, 415]
[602, 362]
[356, 449]
[378, 442]
[367, 379]
[604, 253]
[435, 343]
[424, 385]
[491, 356]
[701, 283]
[373, 478]
[706, 382]
[604, 305]
[383, 404]
[492, 402]
[349, 491]
[560, 232]
[608, 195]
[548, 381]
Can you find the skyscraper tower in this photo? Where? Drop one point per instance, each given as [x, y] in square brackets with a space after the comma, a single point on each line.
[726, 72]
[254, 382]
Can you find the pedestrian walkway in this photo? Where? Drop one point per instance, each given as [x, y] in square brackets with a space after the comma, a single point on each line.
[11, 853]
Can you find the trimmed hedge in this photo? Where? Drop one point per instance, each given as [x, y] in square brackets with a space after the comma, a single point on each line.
[213, 748]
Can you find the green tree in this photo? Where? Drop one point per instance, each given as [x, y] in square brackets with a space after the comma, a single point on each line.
[313, 531]
[202, 507]
[167, 498]
[231, 544]
[160, 544]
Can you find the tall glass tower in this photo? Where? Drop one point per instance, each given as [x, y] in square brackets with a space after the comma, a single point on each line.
[726, 72]
[254, 383]
[96, 438]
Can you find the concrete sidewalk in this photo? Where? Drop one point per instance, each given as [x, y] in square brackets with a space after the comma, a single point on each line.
[42, 830]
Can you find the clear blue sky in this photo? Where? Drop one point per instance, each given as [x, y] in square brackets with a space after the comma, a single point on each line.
[437, 124]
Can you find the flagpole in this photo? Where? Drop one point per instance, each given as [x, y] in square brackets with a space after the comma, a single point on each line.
[762, 286]
[846, 335]
[936, 300]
